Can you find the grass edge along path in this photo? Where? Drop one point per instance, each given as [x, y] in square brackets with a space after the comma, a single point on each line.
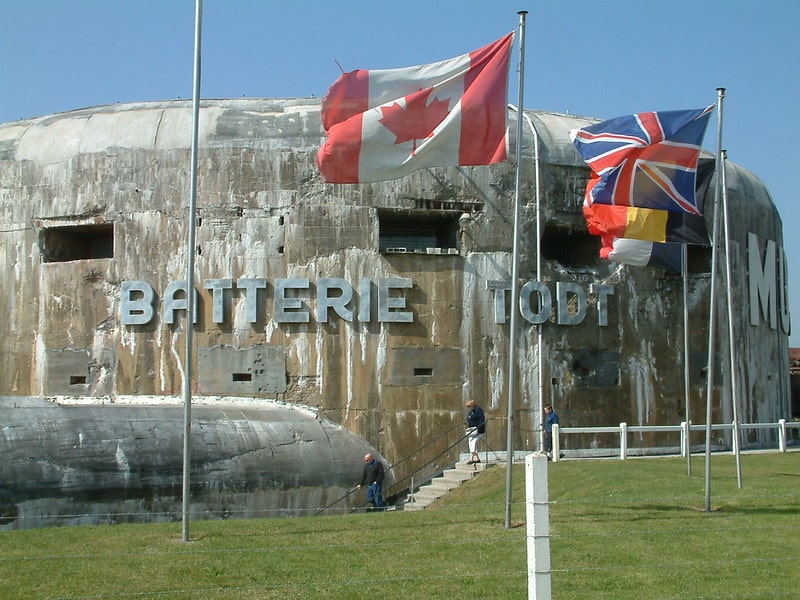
[619, 529]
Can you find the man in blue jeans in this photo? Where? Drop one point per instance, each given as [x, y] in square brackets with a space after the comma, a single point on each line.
[373, 476]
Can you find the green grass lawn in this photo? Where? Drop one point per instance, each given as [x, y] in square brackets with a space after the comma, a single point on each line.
[619, 529]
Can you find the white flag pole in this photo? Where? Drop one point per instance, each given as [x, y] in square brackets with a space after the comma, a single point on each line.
[731, 337]
[540, 326]
[686, 384]
[512, 335]
[539, 337]
[190, 255]
[713, 301]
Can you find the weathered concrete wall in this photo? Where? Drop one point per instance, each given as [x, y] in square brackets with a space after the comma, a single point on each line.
[264, 214]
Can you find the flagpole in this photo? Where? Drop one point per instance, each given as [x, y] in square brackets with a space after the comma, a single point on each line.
[539, 336]
[713, 301]
[686, 383]
[512, 336]
[190, 256]
[731, 338]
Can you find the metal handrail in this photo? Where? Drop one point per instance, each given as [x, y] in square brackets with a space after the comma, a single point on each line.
[396, 484]
[396, 489]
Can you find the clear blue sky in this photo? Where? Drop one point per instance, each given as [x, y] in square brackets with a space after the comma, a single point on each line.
[600, 59]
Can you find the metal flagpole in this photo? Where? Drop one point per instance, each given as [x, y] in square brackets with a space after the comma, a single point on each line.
[731, 337]
[686, 388]
[539, 337]
[512, 335]
[190, 255]
[713, 302]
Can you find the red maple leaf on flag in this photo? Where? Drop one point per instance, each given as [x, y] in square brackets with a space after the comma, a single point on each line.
[417, 120]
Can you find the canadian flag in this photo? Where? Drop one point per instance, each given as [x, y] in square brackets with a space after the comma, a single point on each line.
[383, 124]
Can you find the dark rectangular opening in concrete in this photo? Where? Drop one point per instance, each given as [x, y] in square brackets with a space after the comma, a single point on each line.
[423, 372]
[570, 247]
[77, 242]
[242, 377]
[416, 232]
[77, 379]
[698, 258]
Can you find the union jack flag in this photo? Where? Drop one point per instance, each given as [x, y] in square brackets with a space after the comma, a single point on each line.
[646, 160]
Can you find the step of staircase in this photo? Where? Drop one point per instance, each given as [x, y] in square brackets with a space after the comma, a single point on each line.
[441, 485]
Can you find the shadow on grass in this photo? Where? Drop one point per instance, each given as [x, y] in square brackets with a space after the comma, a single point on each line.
[725, 509]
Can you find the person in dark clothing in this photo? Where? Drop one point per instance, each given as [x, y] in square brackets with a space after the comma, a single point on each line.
[476, 427]
[550, 420]
[373, 478]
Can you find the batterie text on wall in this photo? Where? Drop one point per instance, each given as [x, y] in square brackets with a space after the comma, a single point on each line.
[293, 299]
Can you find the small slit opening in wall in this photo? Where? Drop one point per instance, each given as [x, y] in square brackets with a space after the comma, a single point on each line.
[242, 377]
[422, 372]
[77, 379]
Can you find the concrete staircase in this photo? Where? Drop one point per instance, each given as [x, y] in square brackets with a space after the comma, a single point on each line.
[439, 486]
